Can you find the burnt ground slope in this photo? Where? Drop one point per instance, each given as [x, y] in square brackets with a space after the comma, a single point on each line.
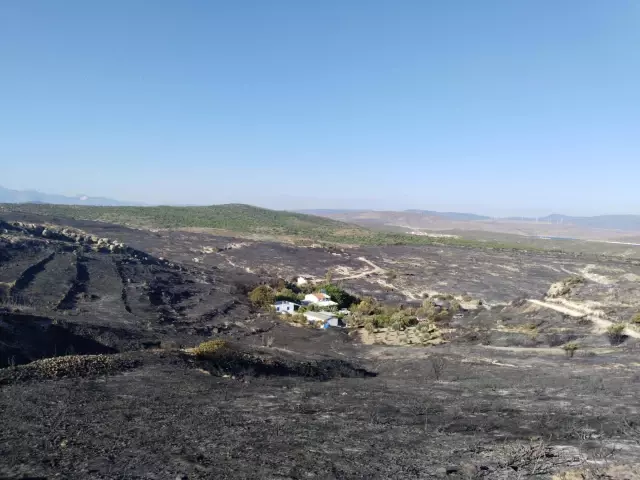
[60, 294]
[444, 414]
[99, 382]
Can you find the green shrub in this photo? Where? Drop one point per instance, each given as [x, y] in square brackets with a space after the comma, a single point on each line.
[298, 318]
[636, 319]
[368, 306]
[444, 296]
[210, 347]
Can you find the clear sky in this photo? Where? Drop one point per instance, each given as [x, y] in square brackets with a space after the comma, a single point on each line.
[491, 106]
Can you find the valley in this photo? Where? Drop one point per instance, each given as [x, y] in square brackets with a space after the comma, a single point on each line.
[527, 367]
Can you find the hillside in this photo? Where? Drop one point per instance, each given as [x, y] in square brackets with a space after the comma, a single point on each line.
[240, 219]
[232, 217]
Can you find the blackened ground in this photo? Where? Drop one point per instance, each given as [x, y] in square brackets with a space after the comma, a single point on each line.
[59, 297]
[291, 402]
[24, 338]
[511, 416]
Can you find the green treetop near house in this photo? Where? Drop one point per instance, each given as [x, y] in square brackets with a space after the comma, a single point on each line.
[241, 219]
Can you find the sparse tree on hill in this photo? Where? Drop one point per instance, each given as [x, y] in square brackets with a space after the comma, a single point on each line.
[329, 275]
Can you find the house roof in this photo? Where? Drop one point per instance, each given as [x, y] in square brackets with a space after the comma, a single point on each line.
[321, 296]
[319, 316]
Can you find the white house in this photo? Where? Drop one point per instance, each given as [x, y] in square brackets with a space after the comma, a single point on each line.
[302, 281]
[316, 297]
[327, 319]
[319, 299]
[283, 306]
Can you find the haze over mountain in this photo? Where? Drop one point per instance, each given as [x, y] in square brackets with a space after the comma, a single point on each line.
[33, 196]
[429, 219]
[416, 218]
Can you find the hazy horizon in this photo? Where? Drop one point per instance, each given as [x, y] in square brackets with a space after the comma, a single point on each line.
[291, 203]
[498, 108]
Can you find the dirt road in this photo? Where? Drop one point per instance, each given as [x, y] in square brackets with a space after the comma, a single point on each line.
[375, 270]
[600, 323]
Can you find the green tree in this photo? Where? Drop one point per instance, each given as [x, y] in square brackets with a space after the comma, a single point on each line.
[262, 296]
[338, 295]
[286, 294]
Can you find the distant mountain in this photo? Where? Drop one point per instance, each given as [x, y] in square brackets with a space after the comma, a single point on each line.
[430, 219]
[630, 223]
[33, 196]
[323, 212]
[463, 217]
[328, 212]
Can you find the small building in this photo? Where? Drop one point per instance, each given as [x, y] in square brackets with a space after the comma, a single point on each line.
[284, 306]
[316, 297]
[333, 322]
[302, 281]
[327, 319]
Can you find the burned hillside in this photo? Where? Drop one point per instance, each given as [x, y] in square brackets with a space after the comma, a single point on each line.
[134, 354]
[61, 290]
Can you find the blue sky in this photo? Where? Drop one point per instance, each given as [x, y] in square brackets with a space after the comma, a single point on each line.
[494, 106]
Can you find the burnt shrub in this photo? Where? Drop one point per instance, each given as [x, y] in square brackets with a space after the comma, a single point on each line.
[570, 349]
[616, 334]
[558, 339]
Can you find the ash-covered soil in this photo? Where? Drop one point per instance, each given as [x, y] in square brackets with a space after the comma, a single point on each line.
[100, 382]
[475, 414]
[61, 295]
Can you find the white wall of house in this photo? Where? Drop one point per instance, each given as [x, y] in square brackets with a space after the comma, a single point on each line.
[285, 307]
[326, 303]
[312, 298]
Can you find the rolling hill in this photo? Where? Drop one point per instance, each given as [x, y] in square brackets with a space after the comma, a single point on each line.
[239, 219]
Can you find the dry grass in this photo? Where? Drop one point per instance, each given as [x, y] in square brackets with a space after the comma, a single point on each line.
[423, 334]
